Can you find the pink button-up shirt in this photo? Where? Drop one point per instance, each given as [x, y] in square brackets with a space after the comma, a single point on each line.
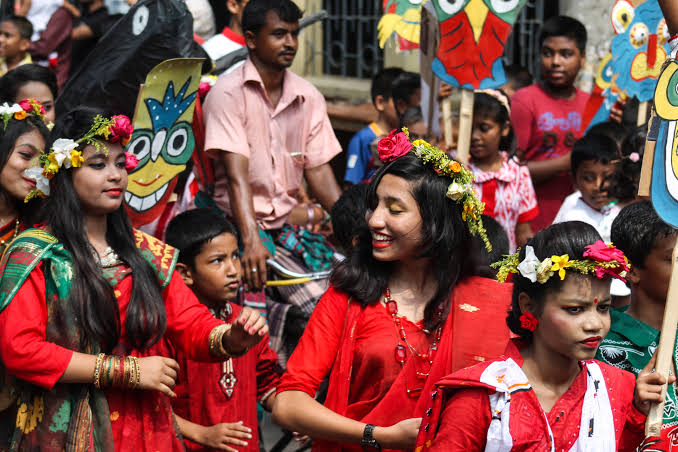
[279, 142]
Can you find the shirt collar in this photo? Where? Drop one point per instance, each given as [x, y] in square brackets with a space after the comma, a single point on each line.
[504, 174]
[288, 96]
[233, 36]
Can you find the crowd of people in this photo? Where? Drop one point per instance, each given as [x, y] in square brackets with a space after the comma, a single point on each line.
[468, 307]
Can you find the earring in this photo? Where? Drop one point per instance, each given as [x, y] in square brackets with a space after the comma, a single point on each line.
[528, 321]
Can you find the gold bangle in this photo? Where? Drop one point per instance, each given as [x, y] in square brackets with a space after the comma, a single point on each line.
[216, 340]
[97, 372]
[138, 371]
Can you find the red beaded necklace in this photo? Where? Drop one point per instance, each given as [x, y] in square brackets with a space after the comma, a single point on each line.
[402, 346]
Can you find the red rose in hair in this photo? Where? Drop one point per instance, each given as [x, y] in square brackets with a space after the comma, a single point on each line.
[121, 129]
[601, 252]
[131, 161]
[393, 146]
[31, 106]
[528, 321]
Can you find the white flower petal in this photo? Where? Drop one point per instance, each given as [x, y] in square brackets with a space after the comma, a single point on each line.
[528, 267]
[41, 182]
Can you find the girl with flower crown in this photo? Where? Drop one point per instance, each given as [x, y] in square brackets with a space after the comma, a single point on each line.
[546, 392]
[401, 312]
[22, 138]
[90, 310]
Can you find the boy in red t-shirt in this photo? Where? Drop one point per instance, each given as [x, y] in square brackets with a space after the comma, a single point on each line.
[216, 404]
[547, 115]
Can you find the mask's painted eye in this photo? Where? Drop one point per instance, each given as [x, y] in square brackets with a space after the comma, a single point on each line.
[622, 16]
[638, 35]
[176, 143]
[140, 146]
[504, 6]
[663, 32]
[451, 7]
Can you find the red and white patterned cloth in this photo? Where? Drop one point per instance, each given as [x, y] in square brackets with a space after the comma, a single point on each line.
[508, 195]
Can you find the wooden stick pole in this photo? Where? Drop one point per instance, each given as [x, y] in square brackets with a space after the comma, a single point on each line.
[465, 125]
[642, 113]
[431, 103]
[665, 350]
[447, 121]
[648, 157]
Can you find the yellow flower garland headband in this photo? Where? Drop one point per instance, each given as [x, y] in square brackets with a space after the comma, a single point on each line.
[600, 258]
[460, 190]
[64, 151]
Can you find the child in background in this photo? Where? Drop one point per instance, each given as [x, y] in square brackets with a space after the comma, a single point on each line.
[406, 91]
[594, 159]
[623, 185]
[31, 81]
[216, 404]
[634, 334]
[612, 129]
[517, 77]
[348, 217]
[547, 392]
[359, 160]
[413, 119]
[15, 39]
[500, 181]
[547, 115]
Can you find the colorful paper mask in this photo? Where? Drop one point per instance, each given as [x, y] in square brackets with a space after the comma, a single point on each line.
[163, 139]
[403, 18]
[473, 34]
[664, 188]
[640, 47]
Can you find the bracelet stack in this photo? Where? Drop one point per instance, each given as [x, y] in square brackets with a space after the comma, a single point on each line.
[111, 371]
[216, 343]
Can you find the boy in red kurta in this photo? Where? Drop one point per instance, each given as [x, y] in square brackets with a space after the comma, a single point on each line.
[216, 404]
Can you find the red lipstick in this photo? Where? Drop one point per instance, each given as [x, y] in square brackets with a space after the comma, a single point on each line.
[592, 342]
[114, 191]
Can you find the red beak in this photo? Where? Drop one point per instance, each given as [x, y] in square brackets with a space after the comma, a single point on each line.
[651, 51]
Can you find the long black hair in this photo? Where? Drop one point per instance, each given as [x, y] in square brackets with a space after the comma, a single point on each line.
[571, 238]
[488, 106]
[8, 136]
[92, 295]
[446, 239]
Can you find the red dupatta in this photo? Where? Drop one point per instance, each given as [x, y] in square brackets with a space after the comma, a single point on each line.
[475, 330]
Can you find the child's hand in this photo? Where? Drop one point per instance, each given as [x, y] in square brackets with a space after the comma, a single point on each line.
[649, 387]
[158, 373]
[219, 436]
[247, 330]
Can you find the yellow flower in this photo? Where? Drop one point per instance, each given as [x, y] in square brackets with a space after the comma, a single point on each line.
[469, 210]
[406, 131]
[20, 115]
[560, 263]
[76, 158]
[419, 142]
[53, 165]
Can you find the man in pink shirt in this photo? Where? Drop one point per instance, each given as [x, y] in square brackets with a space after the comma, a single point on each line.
[547, 116]
[267, 129]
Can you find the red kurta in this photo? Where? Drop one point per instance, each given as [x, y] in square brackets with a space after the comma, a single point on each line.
[201, 399]
[356, 345]
[140, 420]
[466, 414]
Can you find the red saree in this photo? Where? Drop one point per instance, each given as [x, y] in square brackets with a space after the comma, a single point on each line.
[475, 330]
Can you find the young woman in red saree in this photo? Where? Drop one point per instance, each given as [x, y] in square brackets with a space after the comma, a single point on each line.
[546, 392]
[402, 311]
[87, 305]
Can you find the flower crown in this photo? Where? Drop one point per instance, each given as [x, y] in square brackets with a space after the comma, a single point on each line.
[64, 153]
[21, 111]
[600, 258]
[460, 190]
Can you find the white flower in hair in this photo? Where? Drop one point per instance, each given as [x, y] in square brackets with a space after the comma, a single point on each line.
[7, 109]
[528, 267]
[41, 182]
[456, 190]
[62, 149]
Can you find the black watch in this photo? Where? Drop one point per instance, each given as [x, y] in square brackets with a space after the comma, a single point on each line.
[368, 442]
